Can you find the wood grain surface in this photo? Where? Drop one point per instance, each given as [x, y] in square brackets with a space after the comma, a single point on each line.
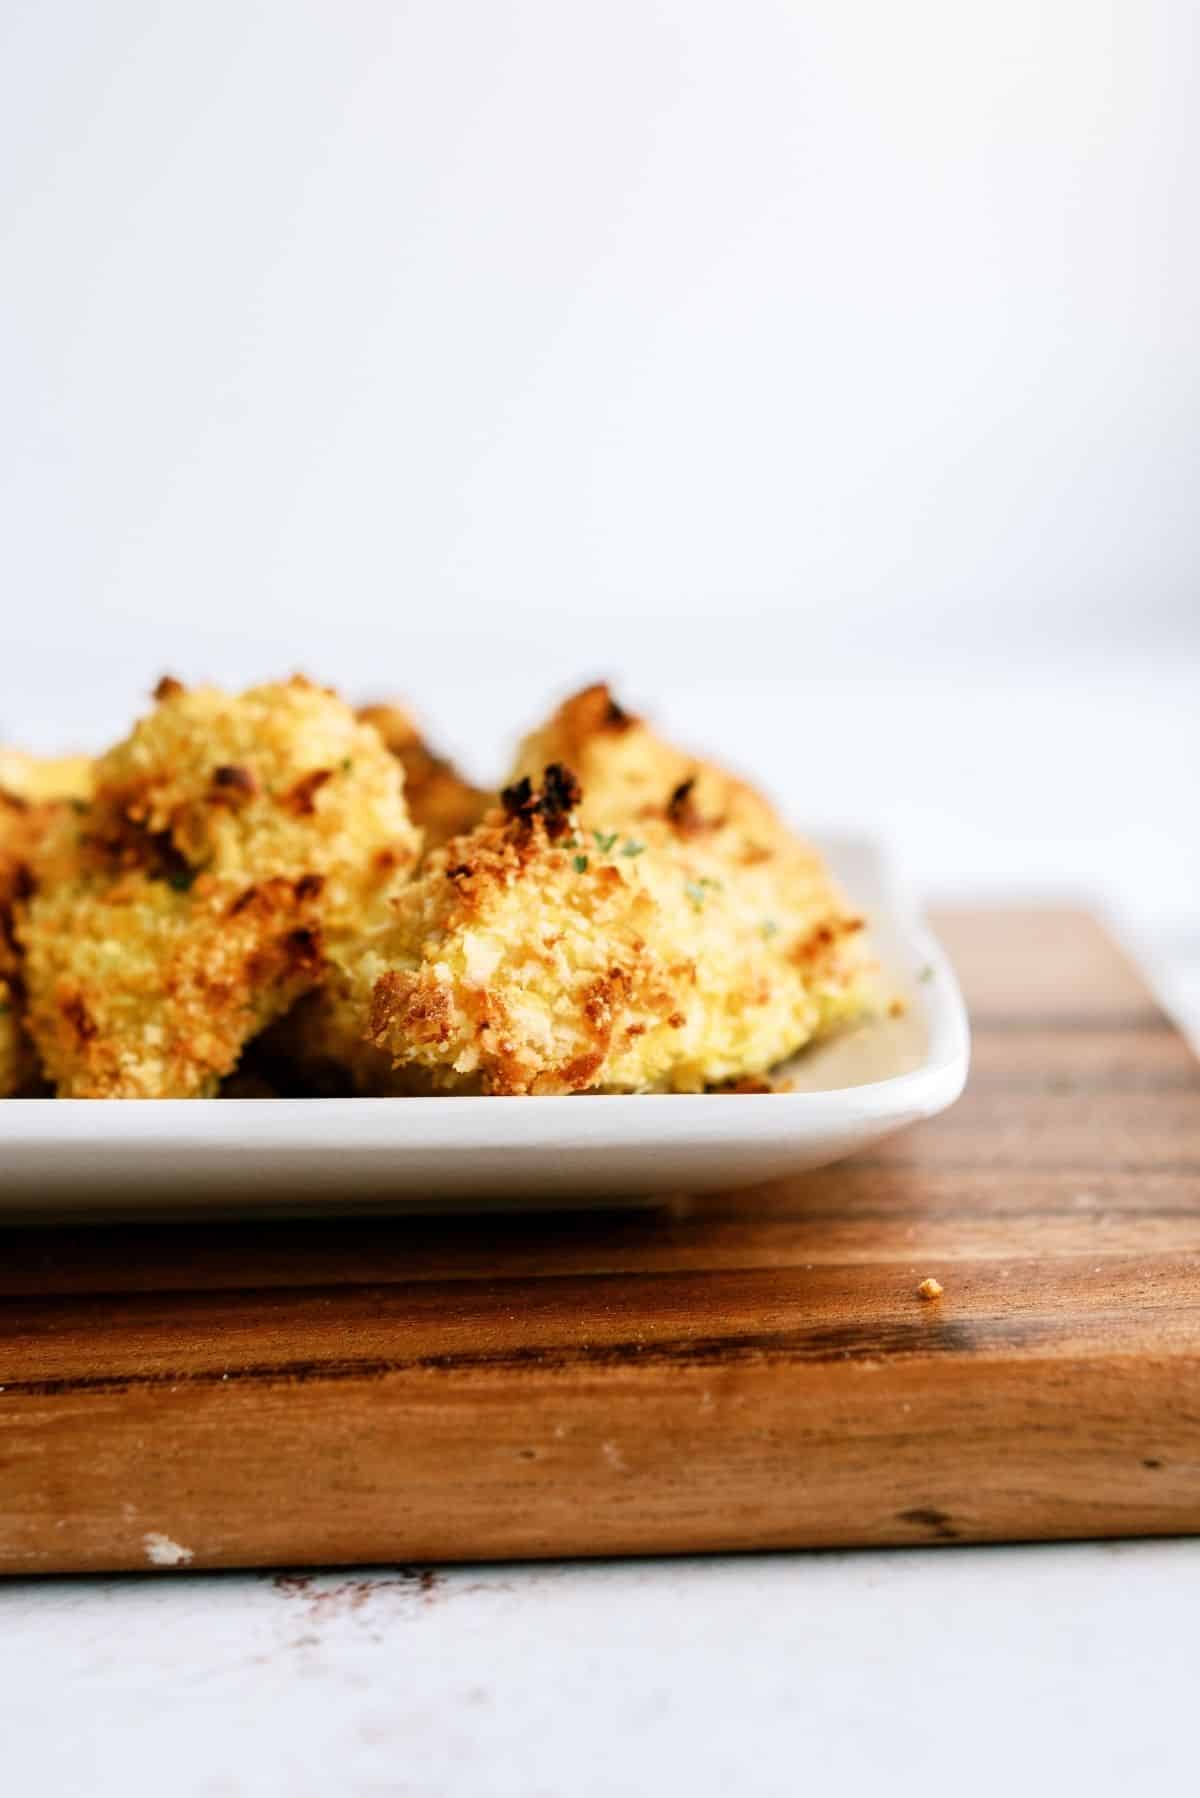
[751, 1371]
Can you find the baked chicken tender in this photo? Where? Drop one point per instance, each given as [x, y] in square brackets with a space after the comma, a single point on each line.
[440, 802]
[611, 942]
[40, 779]
[626, 772]
[32, 789]
[18, 1064]
[231, 846]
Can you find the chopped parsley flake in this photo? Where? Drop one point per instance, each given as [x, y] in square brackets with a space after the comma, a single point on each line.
[926, 974]
[181, 879]
[80, 806]
[698, 890]
[769, 929]
[581, 864]
[631, 846]
[347, 764]
[605, 841]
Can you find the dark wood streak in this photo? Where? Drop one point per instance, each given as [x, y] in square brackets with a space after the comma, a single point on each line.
[782, 1347]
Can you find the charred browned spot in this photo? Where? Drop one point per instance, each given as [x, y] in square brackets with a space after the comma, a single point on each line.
[580, 1072]
[603, 997]
[518, 799]
[302, 797]
[822, 938]
[427, 1017]
[168, 688]
[677, 1020]
[159, 854]
[683, 814]
[754, 854]
[560, 795]
[460, 871]
[233, 784]
[309, 886]
[302, 950]
[746, 1085]
[77, 1017]
[246, 897]
[388, 1000]
[634, 1030]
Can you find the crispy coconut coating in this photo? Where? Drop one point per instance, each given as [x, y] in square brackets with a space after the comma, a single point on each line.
[231, 846]
[440, 802]
[662, 950]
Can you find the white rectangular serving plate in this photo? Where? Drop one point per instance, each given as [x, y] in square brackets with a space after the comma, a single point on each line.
[118, 1158]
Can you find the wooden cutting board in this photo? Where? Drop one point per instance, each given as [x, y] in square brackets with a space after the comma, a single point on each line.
[751, 1371]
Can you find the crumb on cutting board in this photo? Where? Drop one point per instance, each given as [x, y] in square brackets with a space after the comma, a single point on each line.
[930, 1289]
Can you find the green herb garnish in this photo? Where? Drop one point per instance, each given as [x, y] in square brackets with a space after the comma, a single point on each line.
[926, 974]
[181, 879]
[581, 864]
[698, 890]
[769, 928]
[80, 806]
[631, 846]
[605, 841]
[347, 764]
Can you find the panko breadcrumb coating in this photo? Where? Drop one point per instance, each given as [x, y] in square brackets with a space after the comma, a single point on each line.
[627, 772]
[319, 1044]
[440, 802]
[231, 845]
[620, 944]
[32, 789]
[18, 1065]
[37, 779]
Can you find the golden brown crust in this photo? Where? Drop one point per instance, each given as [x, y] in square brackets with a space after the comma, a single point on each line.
[44, 779]
[535, 955]
[229, 842]
[628, 772]
[32, 788]
[442, 804]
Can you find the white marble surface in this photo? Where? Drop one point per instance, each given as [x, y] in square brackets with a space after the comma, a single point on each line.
[986, 1671]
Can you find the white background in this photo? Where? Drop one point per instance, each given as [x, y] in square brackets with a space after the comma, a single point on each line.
[825, 372]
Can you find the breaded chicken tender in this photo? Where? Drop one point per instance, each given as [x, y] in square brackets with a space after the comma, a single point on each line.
[318, 1047]
[32, 790]
[18, 1065]
[38, 779]
[440, 802]
[231, 846]
[624, 943]
[627, 772]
